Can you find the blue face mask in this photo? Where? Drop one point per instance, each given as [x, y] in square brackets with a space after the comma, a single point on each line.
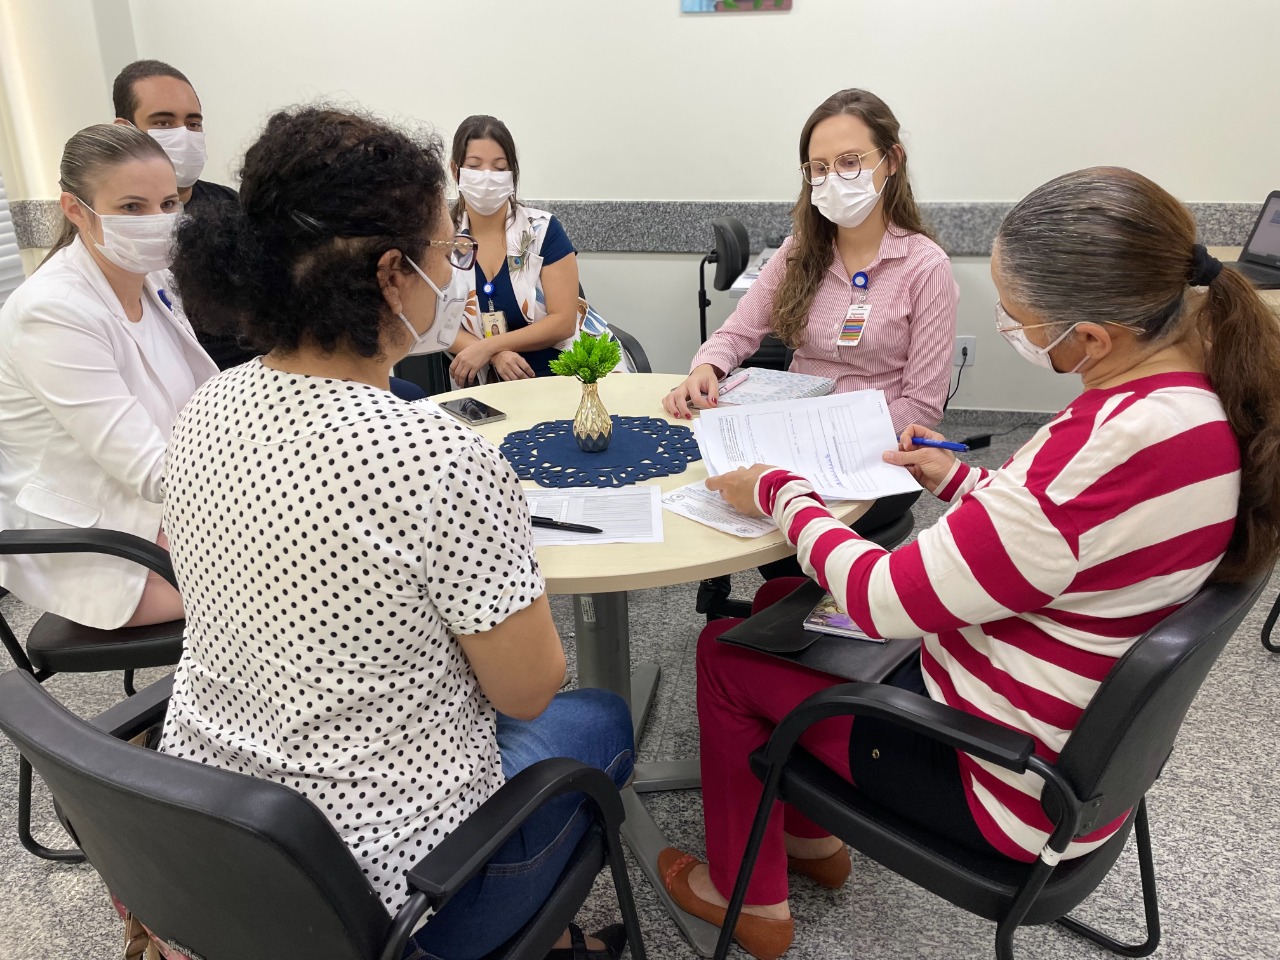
[450, 310]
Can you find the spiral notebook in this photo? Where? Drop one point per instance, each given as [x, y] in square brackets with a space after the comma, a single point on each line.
[764, 385]
[780, 631]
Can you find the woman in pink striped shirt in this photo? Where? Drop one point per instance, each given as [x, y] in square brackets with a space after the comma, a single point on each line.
[1160, 475]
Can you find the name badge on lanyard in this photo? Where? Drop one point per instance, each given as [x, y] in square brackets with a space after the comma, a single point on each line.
[493, 323]
[855, 319]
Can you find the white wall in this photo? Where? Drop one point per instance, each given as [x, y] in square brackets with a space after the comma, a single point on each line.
[632, 100]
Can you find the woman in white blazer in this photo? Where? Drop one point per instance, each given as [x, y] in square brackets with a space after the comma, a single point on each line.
[95, 363]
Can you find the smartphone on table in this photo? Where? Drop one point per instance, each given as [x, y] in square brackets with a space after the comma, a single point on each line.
[471, 411]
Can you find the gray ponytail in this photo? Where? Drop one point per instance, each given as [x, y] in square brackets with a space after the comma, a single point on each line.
[1100, 245]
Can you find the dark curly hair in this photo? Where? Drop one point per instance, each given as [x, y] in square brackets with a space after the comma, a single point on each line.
[324, 194]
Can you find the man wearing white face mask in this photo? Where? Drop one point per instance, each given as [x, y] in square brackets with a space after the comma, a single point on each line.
[524, 309]
[159, 99]
[96, 360]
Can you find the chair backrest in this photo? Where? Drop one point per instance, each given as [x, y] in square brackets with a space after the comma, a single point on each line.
[1126, 734]
[225, 865]
[637, 360]
[733, 250]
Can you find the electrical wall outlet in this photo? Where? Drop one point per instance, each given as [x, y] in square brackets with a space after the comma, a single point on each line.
[966, 352]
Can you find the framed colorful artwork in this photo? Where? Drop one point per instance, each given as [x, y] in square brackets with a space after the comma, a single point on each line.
[732, 6]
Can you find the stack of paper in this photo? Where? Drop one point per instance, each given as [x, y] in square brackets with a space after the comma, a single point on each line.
[834, 442]
[767, 386]
[629, 515]
[698, 503]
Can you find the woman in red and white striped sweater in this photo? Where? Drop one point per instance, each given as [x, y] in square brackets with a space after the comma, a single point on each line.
[1041, 574]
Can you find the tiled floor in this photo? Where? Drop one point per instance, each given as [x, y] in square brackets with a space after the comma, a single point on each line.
[1214, 816]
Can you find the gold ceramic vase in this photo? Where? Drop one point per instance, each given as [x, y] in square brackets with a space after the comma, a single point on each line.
[592, 427]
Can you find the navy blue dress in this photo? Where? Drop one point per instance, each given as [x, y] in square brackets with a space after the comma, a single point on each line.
[555, 247]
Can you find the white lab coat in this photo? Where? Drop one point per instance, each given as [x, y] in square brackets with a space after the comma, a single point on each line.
[84, 421]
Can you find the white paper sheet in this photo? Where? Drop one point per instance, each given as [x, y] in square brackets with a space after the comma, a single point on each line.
[834, 442]
[698, 503]
[626, 515]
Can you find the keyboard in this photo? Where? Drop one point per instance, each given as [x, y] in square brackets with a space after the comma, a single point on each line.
[1264, 278]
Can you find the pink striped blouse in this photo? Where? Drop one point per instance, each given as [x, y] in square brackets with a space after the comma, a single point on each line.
[1042, 573]
[906, 345]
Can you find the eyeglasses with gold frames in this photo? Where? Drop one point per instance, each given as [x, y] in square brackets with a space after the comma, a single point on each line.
[847, 167]
[462, 250]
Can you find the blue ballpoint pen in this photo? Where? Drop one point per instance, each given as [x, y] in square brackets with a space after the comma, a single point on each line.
[940, 444]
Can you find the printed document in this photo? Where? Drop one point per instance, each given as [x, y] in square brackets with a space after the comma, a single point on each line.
[698, 503]
[626, 515]
[834, 442]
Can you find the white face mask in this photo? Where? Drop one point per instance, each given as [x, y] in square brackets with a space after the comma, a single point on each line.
[486, 190]
[185, 149]
[1016, 335]
[451, 303]
[846, 203]
[138, 244]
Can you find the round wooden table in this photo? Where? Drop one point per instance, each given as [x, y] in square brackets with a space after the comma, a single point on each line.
[599, 576]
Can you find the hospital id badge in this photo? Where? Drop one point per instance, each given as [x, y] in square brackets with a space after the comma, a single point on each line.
[493, 324]
[855, 321]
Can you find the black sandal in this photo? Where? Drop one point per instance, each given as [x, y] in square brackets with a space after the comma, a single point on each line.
[614, 938]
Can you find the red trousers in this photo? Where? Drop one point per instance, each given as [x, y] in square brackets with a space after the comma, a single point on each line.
[741, 697]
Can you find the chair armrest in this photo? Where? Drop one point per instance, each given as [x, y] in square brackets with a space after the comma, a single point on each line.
[461, 855]
[981, 738]
[989, 741]
[142, 711]
[113, 543]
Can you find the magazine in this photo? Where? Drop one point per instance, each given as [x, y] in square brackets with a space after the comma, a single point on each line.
[827, 617]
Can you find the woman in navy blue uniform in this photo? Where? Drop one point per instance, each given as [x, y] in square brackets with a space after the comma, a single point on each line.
[523, 308]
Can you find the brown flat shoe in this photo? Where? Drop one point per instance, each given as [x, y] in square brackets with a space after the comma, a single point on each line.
[761, 937]
[830, 872]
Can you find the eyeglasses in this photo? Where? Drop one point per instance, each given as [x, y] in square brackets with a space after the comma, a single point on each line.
[462, 250]
[1005, 323]
[847, 167]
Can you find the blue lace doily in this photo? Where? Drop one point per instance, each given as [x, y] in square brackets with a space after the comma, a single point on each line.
[641, 448]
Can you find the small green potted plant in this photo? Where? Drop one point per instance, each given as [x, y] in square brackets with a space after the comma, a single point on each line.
[589, 358]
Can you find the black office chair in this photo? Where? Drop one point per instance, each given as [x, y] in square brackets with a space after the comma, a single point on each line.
[231, 866]
[429, 371]
[1113, 757]
[637, 359]
[730, 254]
[1270, 625]
[57, 645]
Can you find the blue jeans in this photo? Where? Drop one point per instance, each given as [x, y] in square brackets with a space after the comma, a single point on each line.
[593, 726]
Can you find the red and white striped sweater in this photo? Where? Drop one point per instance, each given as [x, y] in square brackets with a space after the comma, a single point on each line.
[1043, 573]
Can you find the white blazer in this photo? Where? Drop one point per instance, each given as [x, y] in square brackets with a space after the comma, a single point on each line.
[84, 420]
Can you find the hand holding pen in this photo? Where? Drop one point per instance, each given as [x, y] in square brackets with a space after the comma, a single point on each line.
[927, 454]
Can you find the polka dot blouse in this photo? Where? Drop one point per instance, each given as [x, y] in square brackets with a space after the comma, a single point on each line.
[331, 542]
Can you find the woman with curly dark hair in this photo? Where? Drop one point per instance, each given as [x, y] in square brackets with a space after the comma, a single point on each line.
[366, 620]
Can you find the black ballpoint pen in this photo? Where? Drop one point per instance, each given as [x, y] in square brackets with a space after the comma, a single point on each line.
[561, 525]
